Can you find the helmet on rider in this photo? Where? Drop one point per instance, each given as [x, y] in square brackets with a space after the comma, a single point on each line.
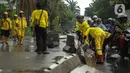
[122, 18]
[110, 19]
[95, 17]
[99, 20]
[80, 18]
[89, 21]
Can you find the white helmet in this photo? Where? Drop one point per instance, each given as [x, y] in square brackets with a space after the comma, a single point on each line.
[122, 15]
[110, 19]
[95, 16]
[99, 19]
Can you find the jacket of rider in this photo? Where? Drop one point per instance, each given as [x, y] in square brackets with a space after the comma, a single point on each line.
[122, 26]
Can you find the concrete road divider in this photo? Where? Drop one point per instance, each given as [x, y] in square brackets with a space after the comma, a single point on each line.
[52, 39]
[65, 65]
[70, 45]
[85, 69]
[70, 64]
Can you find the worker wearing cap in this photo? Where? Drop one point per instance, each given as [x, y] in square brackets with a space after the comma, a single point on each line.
[82, 25]
[22, 25]
[5, 28]
[14, 24]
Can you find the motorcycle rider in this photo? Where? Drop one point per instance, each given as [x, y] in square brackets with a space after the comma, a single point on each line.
[100, 25]
[95, 17]
[90, 21]
[121, 26]
[110, 25]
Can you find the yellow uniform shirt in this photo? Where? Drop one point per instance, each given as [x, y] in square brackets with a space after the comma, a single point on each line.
[83, 27]
[22, 23]
[44, 18]
[15, 23]
[95, 32]
[6, 24]
[14, 26]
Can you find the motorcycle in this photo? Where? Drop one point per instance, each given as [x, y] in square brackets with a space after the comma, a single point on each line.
[124, 44]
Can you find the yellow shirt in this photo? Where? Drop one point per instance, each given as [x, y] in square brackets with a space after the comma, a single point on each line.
[44, 18]
[94, 32]
[6, 24]
[15, 22]
[83, 27]
[22, 23]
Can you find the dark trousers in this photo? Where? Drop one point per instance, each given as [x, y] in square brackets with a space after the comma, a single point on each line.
[106, 42]
[41, 35]
[79, 36]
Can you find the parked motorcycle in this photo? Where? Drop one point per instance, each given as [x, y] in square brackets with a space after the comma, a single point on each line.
[124, 43]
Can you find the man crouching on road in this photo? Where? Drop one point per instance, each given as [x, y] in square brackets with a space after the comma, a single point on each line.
[40, 22]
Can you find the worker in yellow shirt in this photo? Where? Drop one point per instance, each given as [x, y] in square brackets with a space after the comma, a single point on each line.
[14, 23]
[21, 26]
[82, 25]
[40, 22]
[5, 28]
[99, 36]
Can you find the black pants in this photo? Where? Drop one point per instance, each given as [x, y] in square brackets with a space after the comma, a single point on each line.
[80, 38]
[5, 33]
[106, 42]
[41, 35]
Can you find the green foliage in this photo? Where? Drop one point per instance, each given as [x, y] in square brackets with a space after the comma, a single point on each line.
[126, 2]
[73, 6]
[88, 11]
[104, 8]
[101, 8]
[55, 22]
[2, 9]
[28, 31]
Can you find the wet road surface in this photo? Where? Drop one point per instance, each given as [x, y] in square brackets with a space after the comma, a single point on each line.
[20, 59]
[15, 58]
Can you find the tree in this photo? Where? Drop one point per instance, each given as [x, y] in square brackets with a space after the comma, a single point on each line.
[101, 8]
[73, 6]
[2, 9]
[126, 2]
[88, 11]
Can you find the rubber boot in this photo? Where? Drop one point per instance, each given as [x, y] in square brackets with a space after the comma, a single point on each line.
[7, 39]
[2, 38]
[101, 59]
[21, 39]
[98, 59]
